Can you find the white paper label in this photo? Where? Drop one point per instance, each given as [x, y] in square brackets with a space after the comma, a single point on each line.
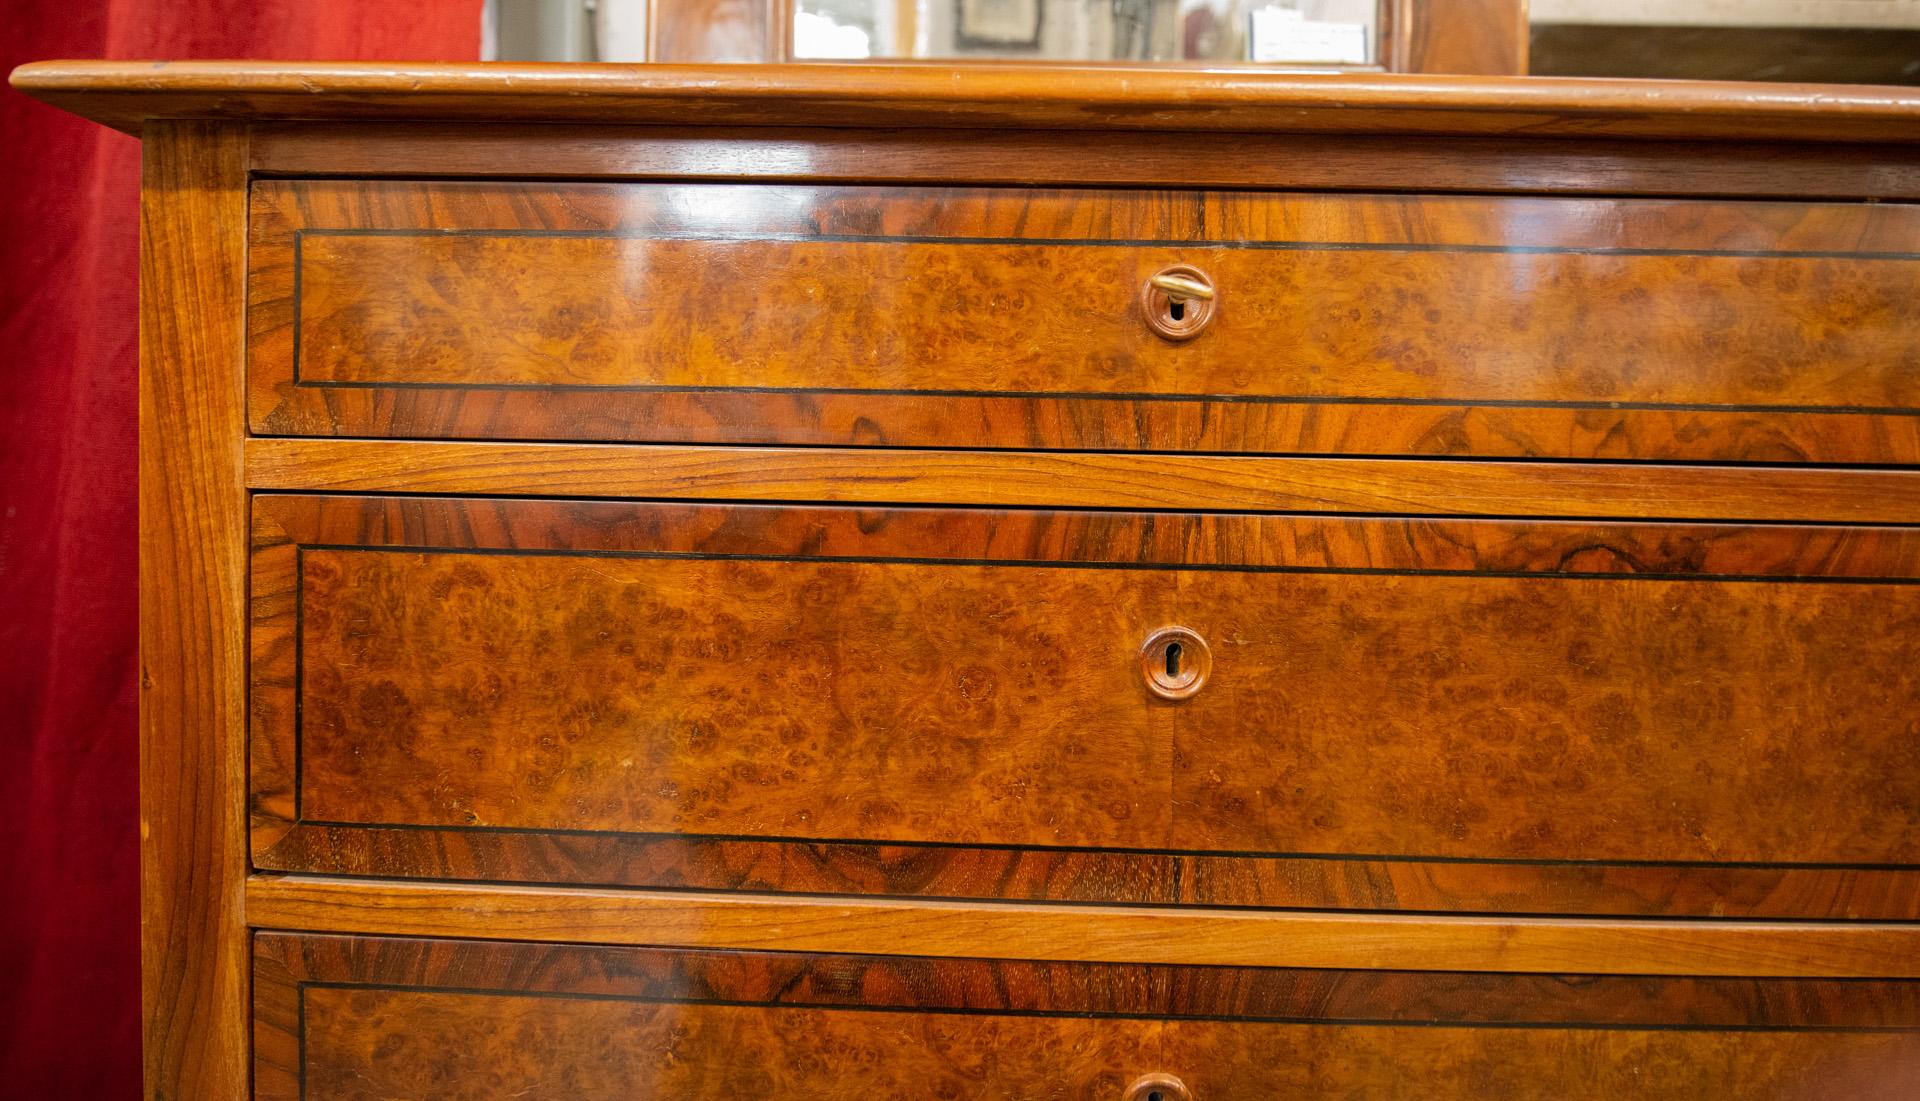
[1281, 34]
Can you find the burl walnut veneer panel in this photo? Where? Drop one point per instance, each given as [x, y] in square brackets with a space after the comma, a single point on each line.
[380, 1044]
[1259, 1062]
[345, 1018]
[937, 317]
[1530, 716]
[725, 696]
[1552, 718]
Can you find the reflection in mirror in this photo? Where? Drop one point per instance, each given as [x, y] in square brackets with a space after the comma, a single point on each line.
[1813, 41]
[1281, 32]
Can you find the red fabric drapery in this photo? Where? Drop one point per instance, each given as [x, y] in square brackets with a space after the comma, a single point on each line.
[69, 867]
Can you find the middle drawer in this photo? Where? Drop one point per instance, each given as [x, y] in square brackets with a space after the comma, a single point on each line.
[1429, 714]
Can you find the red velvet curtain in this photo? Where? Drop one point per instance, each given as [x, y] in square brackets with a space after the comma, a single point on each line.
[69, 867]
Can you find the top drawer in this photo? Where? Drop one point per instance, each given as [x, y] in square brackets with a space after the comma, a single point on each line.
[973, 317]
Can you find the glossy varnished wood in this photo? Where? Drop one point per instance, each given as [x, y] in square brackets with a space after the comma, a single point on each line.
[1038, 96]
[438, 724]
[1013, 985]
[1091, 480]
[1109, 934]
[1292, 161]
[351, 1017]
[192, 613]
[962, 317]
[1580, 888]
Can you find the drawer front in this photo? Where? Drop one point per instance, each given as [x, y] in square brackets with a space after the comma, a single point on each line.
[344, 1019]
[1422, 325]
[1517, 716]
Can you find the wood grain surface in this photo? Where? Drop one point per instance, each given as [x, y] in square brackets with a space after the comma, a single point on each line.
[1408, 163]
[1252, 1062]
[1467, 36]
[193, 583]
[883, 96]
[903, 703]
[1101, 934]
[1545, 718]
[1227, 483]
[1654, 715]
[408, 1016]
[759, 865]
[974, 317]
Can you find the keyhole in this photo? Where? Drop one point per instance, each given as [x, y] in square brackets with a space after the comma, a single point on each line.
[1175, 662]
[1178, 302]
[1157, 1087]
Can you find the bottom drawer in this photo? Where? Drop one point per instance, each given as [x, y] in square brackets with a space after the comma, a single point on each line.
[340, 1018]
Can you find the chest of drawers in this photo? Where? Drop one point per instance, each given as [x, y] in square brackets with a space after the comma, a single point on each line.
[916, 582]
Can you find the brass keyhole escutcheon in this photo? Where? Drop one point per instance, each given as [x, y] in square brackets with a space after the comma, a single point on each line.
[1157, 1087]
[1175, 661]
[1179, 302]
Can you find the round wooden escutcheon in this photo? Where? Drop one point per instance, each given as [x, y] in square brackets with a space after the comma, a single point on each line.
[1157, 1087]
[1174, 316]
[1175, 662]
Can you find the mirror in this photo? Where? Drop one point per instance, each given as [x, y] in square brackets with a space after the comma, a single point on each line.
[1299, 33]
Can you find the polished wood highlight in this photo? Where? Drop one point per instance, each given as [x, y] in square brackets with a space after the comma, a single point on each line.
[1364, 324]
[193, 518]
[1109, 934]
[353, 1017]
[1293, 161]
[882, 96]
[1091, 480]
